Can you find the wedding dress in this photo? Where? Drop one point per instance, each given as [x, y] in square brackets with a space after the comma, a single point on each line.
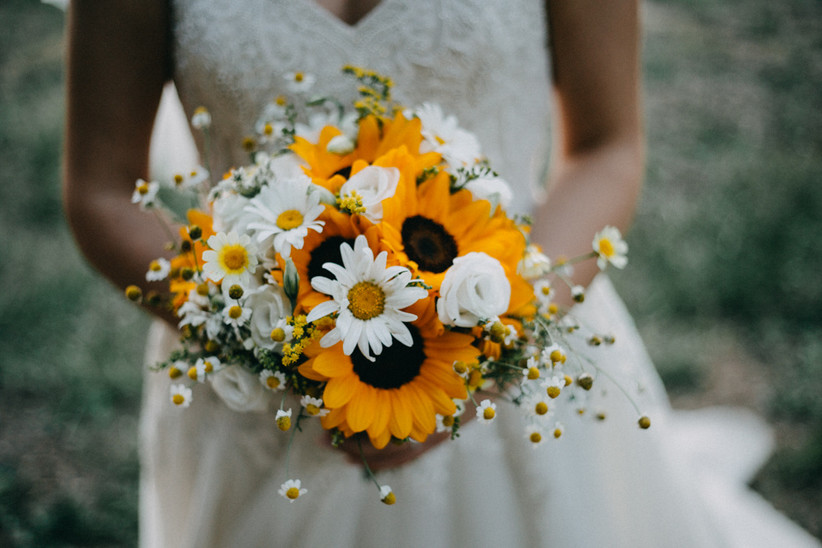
[211, 475]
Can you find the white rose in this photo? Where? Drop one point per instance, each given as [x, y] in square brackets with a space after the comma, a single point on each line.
[269, 306]
[239, 389]
[494, 189]
[229, 212]
[474, 289]
[373, 184]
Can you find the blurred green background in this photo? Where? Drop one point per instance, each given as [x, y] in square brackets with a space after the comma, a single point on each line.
[724, 281]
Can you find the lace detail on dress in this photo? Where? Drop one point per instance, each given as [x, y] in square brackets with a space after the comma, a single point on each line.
[474, 57]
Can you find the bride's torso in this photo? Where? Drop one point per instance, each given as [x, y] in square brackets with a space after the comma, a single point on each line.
[485, 62]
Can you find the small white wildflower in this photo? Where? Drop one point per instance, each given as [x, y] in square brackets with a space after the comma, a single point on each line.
[180, 395]
[145, 193]
[273, 380]
[313, 406]
[291, 490]
[158, 269]
[487, 411]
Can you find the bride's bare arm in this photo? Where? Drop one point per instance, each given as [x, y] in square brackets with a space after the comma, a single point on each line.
[598, 158]
[118, 62]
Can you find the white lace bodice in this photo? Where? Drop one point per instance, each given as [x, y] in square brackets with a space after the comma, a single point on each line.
[483, 61]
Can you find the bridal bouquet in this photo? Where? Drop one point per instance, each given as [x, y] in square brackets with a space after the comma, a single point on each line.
[362, 266]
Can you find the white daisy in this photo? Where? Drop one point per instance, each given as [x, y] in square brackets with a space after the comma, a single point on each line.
[286, 210]
[610, 248]
[487, 411]
[192, 178]
[559, 429]
[158, 269]
[445, 423]
[145, 193]
[231, 255]
[180, 395]
[273, 380]
[313, 406]
[442, 134]
[544, 292]
[368, 298]
[291, 490]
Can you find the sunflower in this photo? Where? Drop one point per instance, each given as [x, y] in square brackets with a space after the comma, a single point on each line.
[401, 392]
[427, 226]
[376, 138]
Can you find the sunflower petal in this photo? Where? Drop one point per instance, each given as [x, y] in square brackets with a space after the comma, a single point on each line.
[361, 408]
[339, 390]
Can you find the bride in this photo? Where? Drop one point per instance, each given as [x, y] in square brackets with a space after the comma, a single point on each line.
[211, 475]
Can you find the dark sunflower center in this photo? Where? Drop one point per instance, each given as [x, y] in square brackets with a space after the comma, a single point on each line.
[428, 244]
[326, 252]
[395, 366]
[345, 172]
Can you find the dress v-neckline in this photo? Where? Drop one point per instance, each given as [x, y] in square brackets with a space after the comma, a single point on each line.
[356, 25]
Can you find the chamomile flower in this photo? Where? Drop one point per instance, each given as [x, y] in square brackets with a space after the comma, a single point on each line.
[145, 192]
[158, 269]
[273, 380]
[192, 178]
[180, 395]
[534, 264]
[368, 298]
[201, 119]
[610, 248]
[235, 314]
[283, 419]
[535, 435]
[387, 496]
[444, 423]
[203, 367]
[231, 256]
[486, 411]
[287, 211]
[299, 82]
[554, 355]
[554, 386]
[544, 293]
[531, 371]
[313, 406]
[292, 490]
[559, 429]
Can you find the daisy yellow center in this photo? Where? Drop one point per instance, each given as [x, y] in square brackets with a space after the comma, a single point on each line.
[366, 300]
[546, 291]
[208, 367]
[235, 312]
[233, 258]
[288, 219]
[174, 372]
[278, 334]
[448, 421]
[178, 399]
[192, 373]
[292, 493]
[606, 247]
[143, 188]
[557, 432]
[553, 391]
[284, 423]
[541, 408]
[280, 100]
[488, 413]
[535, 437]
[312, 409]
[272, 382]
[390, 498]
[299, 77]
[533, 373]
[155, 266]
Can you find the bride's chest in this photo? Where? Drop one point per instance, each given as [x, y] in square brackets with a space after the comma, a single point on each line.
[248, 45]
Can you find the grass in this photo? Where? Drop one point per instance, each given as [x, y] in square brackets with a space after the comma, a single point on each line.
[723, 282]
